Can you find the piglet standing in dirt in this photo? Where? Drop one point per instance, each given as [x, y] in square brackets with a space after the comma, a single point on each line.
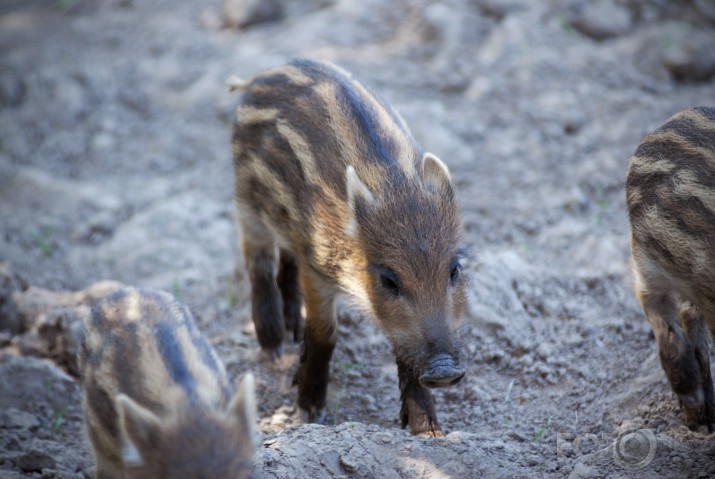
[156, 400]
[335, 196]
[671, 204]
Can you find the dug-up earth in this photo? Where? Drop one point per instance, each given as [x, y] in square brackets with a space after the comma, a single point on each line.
[115, 169]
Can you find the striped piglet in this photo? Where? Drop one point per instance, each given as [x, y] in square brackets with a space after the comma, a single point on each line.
[671, 205]
[156, 400]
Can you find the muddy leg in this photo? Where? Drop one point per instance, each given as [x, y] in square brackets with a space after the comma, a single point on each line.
[678, 355]
[259, 252]
[320, 336]
[417, 409]
[288, 283]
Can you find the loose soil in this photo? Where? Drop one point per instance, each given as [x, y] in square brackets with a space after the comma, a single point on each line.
[115, 165]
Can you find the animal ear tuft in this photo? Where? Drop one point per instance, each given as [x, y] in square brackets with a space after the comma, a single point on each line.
[435, 174]
[140, 429]
[243, 406]
[357, 192]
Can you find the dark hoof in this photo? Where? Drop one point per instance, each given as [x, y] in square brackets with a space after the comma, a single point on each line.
[312, 415]
[703, 428]
[422, 425]
[441, 372]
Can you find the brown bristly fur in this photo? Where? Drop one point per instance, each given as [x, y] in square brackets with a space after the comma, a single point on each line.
[670, 191]
[155, 395]
[329, 179]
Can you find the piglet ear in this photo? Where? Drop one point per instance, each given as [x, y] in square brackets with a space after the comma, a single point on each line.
[435, 174]
[357, 193]
[140, 429]
[243, 406]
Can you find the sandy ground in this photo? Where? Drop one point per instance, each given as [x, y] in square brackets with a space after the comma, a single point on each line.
[115, 164]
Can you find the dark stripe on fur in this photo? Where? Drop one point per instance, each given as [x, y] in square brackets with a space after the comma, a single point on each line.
[174, 360]
[198, 340]
[383, 148]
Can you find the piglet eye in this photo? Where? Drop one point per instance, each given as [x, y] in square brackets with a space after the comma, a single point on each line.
[455, 273]
[390, 282]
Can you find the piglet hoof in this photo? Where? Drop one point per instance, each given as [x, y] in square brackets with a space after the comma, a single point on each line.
[701, 428]
[699, 411]
[426, 429]
[699, 424]
[420, 424]
[312, 415]
[709, 419]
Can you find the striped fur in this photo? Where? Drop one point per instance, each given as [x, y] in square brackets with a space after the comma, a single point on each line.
[330, 181]
[156, 399]
[670, 191]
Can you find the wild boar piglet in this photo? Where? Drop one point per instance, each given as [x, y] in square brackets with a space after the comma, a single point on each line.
[335, 196]
[156, 400]
[670, 190]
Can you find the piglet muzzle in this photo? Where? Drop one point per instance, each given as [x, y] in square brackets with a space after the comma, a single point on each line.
[441, 371]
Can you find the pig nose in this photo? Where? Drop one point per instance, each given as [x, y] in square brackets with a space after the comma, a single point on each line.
[441, 371]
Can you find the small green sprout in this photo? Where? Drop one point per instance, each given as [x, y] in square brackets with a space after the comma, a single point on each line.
[230, 298]
[347, 365]
[58, 416]
[42, 240]
[177, 288]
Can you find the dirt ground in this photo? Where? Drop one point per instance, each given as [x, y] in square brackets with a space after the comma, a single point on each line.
[115, 165]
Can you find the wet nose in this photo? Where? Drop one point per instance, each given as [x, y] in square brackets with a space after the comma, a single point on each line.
[441, 371]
